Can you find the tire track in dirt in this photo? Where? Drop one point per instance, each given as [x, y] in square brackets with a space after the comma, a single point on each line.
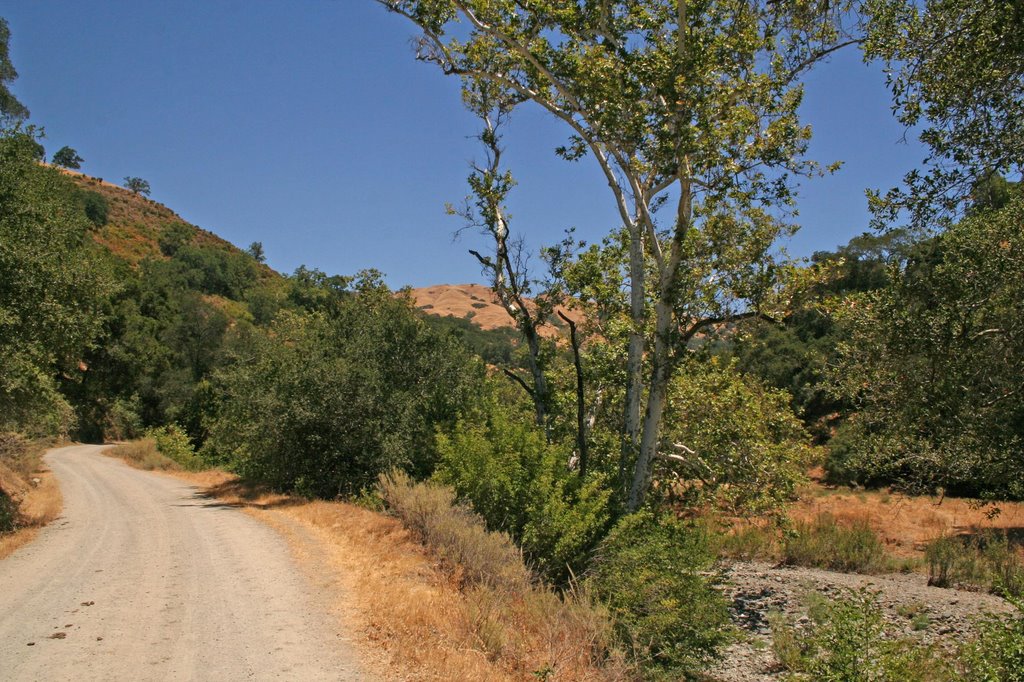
[143, 578]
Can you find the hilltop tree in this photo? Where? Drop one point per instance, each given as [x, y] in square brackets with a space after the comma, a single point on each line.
[10, 107]
[256, 251]
[690, 111]
[137, 185]
[67, 157]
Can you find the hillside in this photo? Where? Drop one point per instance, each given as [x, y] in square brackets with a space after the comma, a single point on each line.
[479, 305]
[135, 224]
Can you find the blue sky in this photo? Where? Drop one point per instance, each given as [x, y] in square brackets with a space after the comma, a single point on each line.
[309, 126]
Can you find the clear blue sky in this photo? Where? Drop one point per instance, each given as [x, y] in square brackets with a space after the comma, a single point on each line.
[310, 127]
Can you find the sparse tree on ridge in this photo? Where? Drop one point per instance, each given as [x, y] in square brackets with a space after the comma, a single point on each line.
[137, 185]
[67, 157]
[256, 251]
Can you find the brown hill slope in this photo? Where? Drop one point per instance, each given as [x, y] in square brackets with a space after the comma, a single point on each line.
[135, 223]
[479, 305]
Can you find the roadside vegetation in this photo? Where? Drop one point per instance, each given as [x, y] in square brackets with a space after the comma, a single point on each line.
[577, 491]
[29, 496]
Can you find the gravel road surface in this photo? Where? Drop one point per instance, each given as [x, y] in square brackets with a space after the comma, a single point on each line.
[143, 578]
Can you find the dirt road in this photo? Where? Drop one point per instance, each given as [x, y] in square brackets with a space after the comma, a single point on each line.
[142, 578]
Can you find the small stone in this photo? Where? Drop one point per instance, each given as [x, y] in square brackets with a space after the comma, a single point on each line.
[58, 635]
[31, 644]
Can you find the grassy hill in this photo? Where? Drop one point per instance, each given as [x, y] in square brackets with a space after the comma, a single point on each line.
[135, 224]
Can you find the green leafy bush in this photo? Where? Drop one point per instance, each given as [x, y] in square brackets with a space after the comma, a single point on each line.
[997, 652]
[522, 485]
[173, 443]
[987, 560]
[8, 513]
[655, 574]
[324, 402]
[744, 450]
[95, 206]
[826, 543]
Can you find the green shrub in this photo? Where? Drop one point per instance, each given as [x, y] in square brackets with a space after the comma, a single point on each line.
[124, 421]
[825, 543]
[173, 443]
[997, 652]
[522, 485]
[323, 403]
[987, 560]
[655, 574]
[845, 641]
[753, 450]
[96, 207]
[8, 513]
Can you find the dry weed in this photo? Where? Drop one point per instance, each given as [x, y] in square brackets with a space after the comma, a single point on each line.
[33, 488]
[142, 454]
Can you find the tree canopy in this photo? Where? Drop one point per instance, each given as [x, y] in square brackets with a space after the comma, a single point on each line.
[10, 108]
[956, 71]
[137, 185]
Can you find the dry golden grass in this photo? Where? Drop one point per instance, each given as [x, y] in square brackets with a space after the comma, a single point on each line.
[412, 615]
[907, 524]
[32, 486]
[142, 454]
[459, 300]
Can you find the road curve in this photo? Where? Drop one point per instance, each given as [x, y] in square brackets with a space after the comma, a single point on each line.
[143, 578]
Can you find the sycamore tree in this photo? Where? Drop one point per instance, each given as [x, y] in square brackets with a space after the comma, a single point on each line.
[690, 111]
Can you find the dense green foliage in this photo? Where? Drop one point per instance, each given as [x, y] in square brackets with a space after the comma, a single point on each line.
[325, 402]
[794, 353]
[997, 654]
[736, 444]
[653, 573]
[52, 288]
[956, 72]
[933, 364]
[67, 158]
[521, 484]
[10, 108]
